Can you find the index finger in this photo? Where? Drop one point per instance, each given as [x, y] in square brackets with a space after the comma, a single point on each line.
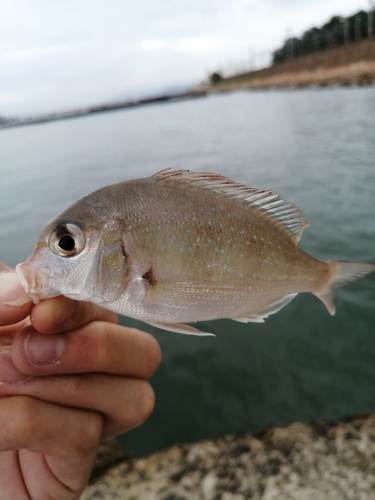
[61, 314]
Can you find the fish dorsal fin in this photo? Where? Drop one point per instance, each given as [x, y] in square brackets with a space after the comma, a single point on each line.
[268, 202]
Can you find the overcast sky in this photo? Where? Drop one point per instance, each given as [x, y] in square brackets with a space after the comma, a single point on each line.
[62, 54]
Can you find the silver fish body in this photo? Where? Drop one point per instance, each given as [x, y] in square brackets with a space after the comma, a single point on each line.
[181, 247]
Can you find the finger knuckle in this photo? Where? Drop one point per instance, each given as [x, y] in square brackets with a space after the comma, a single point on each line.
[94, 427]
[146, 403]
[72, 387]
[93, 312]
[90, 434]
[136, 408]
[153, 356]
[104, 344]
[24, 412]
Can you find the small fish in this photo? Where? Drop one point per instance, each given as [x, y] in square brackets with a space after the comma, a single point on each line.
[182, 247]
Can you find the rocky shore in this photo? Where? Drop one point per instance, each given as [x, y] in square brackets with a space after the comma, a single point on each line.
[320, 461]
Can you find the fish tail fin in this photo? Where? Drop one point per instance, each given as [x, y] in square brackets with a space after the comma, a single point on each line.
[340, 274]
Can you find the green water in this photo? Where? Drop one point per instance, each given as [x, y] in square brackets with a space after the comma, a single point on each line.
[317, 149]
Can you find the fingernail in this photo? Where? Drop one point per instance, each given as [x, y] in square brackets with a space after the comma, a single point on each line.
[43, 349]
[11, 290]
[9, 373]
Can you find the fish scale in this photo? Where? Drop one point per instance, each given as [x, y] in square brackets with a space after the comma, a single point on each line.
[182, 247]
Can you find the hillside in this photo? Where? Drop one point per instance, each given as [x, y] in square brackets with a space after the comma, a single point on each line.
[343, 65]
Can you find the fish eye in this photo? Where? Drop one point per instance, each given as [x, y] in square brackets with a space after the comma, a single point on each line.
[67, 240]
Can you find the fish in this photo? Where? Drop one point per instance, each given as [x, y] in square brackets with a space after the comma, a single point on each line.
[180, 247]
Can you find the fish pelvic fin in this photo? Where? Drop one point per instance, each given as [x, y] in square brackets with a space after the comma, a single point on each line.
[181, 328]
[341, 273]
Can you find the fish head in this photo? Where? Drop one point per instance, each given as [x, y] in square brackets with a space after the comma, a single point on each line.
[79, 257]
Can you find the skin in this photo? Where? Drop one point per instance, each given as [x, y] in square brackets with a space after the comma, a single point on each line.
[70, 377]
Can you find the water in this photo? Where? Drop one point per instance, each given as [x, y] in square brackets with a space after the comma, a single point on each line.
[317, 149]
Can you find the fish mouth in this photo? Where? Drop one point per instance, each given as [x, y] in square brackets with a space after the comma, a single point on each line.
[35, 282]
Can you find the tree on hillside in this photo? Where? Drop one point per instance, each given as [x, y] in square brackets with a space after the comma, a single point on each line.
[337, 31]
[215, 78]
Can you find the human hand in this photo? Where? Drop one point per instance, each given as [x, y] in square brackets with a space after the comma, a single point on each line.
[70, 376]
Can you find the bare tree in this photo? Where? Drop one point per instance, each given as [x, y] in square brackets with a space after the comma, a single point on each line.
[357, 28]
[346, 30]
[370, 19]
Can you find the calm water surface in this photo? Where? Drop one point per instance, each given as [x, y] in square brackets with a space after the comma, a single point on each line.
[317, 149]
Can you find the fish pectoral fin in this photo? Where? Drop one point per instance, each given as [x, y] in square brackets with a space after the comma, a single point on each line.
[181, 328]
[271, 309]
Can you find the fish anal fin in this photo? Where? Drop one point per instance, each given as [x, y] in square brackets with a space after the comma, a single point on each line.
[260, 316]
[181, 328]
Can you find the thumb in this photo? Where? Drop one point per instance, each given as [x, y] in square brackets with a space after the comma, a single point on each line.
[15, 304]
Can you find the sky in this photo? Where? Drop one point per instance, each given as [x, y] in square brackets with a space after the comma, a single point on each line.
[63, 54]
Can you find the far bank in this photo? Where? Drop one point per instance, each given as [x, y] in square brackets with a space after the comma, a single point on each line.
[352, 64]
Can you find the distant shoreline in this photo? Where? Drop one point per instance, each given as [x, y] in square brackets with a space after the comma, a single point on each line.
[348, 65]
[65, 115]
[352, 64]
